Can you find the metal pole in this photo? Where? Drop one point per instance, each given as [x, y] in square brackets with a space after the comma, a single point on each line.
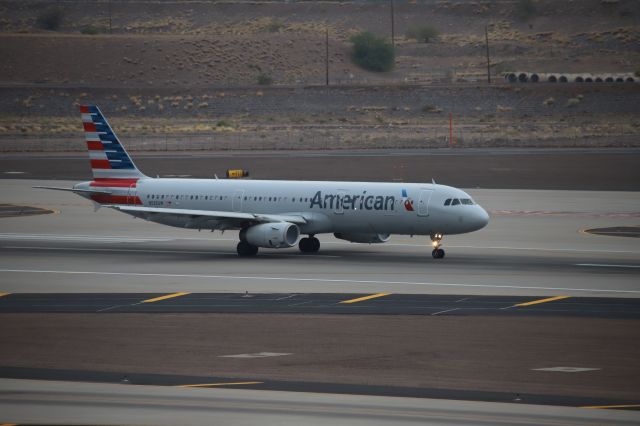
[393, 30]
[486, 36]
[450, 129]
[326, 42]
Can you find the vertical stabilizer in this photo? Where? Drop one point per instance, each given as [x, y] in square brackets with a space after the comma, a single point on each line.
[109, 160]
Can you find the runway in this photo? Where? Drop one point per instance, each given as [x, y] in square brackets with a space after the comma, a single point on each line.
[321, 303]
[535, 245]
[87, 403]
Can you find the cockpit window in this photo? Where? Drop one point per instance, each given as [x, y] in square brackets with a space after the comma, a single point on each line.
[455, 202]
[467, 201]
[447, 201]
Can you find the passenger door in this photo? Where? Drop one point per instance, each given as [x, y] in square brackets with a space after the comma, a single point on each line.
[236, 201]
[423, 202]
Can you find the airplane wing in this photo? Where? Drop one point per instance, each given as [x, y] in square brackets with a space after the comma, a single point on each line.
[233, 219]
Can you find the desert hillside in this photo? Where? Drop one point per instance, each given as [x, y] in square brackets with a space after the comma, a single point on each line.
[230, 68]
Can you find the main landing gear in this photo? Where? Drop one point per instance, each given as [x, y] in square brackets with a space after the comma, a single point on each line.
[437, 252]
[309, 244]
[246, 249]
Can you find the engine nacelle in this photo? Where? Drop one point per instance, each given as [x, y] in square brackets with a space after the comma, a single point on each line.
[363, 238]
[271, 235]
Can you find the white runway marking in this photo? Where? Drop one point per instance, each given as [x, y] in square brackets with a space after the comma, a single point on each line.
[446, 310]
[544, 249]
[91, 238]
[116, 238]
[223, 253]
[255, 355]
[604, 265]
[566, 369]
[321, 280]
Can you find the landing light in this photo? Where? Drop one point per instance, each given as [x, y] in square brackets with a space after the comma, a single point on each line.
[434, 243]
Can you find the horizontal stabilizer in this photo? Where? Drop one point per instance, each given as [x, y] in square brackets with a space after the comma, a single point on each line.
[77, 191]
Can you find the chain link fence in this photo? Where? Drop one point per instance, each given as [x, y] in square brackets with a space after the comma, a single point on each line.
[331, 138]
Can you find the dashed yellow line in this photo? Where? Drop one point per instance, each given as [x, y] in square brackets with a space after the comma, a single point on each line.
[360, 299]
[536, 302]
[210, 385]
[2, 295]
[168, 296]
[612, 406]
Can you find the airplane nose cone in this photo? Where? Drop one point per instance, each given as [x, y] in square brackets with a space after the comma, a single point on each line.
[481, 218]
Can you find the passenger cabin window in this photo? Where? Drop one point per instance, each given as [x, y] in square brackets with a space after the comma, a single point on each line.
[455, 202]
[447, 202]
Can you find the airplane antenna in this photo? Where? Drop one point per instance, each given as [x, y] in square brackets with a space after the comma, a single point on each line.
[215, 176]
[433, 181]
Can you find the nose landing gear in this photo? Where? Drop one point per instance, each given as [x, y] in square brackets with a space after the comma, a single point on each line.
[437, 252]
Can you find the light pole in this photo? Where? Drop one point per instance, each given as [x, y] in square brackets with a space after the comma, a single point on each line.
[393, 30]
[486, 36]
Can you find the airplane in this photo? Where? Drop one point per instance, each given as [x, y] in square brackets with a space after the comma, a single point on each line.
[272, 213]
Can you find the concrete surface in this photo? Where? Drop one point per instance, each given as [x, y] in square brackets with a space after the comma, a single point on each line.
[27, 401]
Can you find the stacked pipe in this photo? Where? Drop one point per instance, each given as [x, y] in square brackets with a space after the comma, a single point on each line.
[533, 77]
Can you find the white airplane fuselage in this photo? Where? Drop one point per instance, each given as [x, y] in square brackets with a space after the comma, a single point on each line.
[329, 207]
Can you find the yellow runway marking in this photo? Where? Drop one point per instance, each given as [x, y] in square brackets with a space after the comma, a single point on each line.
[360, 299]
[536, 302]
[207, 385]
[613, 406]
[2, 295]
[168, 296]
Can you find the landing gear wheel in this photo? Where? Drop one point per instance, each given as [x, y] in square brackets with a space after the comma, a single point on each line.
[246, 249]
[309, 245]
[437, 253]
[315, 244]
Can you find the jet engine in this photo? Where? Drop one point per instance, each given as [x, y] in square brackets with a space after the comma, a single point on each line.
[271, 235]
[363, 238]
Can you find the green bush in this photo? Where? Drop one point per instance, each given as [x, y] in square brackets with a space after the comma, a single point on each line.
[372, 53]
[274, 26]
[264, 79]
[93, 30]
[50, 19]
[525, 10]
[424, 33]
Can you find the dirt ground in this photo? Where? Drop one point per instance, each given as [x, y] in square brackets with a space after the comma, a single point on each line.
[413, 351]
[175, 44]
[176, 73]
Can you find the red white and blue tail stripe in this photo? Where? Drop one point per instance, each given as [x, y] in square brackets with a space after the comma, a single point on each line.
[109, 159]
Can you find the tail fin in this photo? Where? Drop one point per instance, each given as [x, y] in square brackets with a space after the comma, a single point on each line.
[109, 159]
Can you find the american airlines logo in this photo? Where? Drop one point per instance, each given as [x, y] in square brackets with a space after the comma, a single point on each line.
[363, 201]
[408, 202]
